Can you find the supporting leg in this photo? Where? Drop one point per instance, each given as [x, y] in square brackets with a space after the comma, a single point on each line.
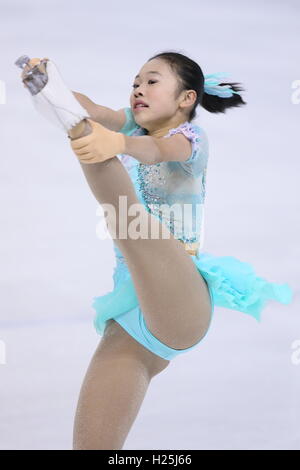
[113, 390]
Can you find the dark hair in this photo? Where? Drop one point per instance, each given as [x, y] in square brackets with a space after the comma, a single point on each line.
[191, 78]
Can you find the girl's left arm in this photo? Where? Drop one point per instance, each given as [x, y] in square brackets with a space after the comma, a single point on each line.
[143, 148]
[103, 144]
[151, 150]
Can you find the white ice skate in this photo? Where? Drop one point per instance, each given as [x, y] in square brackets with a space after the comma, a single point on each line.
[50, 96]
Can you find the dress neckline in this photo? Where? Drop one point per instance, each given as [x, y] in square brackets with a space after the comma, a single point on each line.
[172, 128]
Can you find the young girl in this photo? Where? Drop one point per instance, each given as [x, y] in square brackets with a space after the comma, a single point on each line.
[165, 288]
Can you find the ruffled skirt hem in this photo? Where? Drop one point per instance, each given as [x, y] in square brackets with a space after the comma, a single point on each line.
[233, 284]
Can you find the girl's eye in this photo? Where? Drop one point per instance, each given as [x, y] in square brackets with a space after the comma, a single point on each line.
[134, 85]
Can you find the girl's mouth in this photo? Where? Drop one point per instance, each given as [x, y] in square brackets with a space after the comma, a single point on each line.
[138, 108]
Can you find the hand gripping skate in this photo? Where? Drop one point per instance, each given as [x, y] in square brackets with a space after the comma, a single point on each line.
[49, 94]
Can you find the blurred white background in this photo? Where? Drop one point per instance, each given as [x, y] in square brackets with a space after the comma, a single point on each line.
[240, 388]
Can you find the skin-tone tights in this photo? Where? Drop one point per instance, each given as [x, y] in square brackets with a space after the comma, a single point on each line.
[175, 303]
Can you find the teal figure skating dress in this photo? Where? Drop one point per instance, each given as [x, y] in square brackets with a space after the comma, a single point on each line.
[232, 283]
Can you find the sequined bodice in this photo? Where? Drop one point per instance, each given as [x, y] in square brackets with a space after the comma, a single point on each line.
[172, 191]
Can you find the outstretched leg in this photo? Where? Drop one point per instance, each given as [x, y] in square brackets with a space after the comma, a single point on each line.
[113, 390]
[172, 294]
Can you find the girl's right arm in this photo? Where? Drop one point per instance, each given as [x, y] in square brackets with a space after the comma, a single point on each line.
[112, 120]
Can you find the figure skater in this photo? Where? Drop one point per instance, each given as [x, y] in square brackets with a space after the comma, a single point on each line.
[165, 287]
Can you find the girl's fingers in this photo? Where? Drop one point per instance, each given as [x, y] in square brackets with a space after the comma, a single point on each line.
[87, 158]
[81, 142]
[32, 63]
[84, 151]
[86, 140]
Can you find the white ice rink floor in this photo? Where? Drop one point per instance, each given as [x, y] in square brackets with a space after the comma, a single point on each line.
[240, 388]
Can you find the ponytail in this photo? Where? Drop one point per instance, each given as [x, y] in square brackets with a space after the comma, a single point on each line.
[213, 94]
[219, 104]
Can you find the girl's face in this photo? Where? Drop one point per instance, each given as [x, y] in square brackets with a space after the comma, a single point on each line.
[157, 90]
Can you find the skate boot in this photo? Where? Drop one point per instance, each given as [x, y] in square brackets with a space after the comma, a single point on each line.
[49, 94]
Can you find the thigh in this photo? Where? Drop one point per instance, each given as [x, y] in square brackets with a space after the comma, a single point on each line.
[171, 292]
[117, 340]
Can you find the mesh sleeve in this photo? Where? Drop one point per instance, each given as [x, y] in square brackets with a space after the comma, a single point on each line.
[197, 161]
[130, 125]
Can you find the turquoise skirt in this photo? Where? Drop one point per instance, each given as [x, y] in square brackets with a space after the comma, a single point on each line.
[232, 283]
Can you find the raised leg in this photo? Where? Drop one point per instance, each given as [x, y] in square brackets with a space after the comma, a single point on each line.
[172, 294]
[113, 390]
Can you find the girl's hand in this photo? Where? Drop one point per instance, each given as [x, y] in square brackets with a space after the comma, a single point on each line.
[98, 146]
[32, 63]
